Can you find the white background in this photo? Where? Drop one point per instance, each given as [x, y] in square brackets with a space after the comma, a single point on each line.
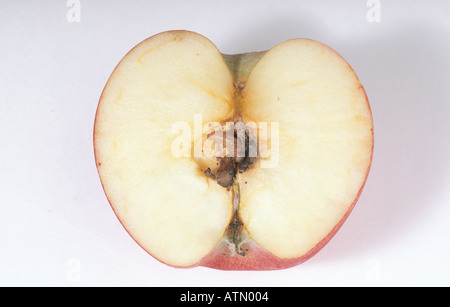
[56, 226]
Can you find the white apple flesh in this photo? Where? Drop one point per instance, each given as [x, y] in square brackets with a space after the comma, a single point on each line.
[270, 217]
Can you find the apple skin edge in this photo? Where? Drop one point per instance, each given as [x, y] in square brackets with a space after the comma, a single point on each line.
[256, 258]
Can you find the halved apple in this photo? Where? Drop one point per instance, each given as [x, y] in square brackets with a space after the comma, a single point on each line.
[280, 186]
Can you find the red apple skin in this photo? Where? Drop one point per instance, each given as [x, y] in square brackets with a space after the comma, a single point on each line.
[256, 258]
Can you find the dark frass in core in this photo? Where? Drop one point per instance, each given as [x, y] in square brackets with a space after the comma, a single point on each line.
[239, 162]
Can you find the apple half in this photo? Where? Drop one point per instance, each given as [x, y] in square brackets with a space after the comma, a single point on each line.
[270, 210]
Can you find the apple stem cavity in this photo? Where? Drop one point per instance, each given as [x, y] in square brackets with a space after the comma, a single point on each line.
[242, 64]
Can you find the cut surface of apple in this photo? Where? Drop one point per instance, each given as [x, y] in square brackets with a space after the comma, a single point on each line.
[235, 162]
